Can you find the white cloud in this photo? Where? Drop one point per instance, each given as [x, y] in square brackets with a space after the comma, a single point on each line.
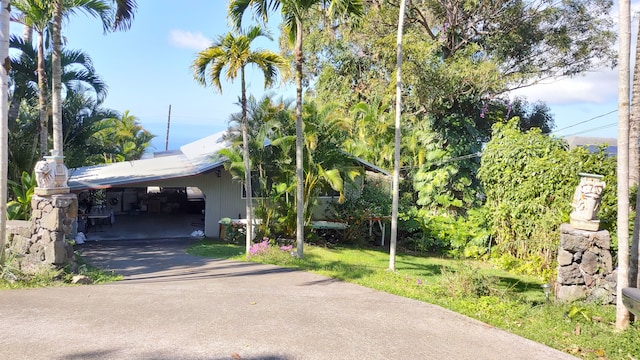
[595, 87]
[188, 39]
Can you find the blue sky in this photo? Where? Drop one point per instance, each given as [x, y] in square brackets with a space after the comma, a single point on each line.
[148, 68]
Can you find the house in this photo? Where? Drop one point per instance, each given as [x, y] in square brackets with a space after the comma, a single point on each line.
[593, 143]
[192, 178]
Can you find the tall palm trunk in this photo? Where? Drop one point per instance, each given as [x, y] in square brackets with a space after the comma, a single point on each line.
[299, 144]
[622, 314]
[4, 122]
[634, 165]
[396, 157]
[247, 163]
[56, 79]
[43, 102]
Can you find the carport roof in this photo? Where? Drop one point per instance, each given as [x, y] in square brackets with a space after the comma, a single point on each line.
[192, 159]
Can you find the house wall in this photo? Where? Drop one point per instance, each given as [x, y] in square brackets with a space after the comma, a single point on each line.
[222, 197]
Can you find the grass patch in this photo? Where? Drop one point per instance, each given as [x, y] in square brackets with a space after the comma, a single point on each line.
[476, 289]
[12, 278]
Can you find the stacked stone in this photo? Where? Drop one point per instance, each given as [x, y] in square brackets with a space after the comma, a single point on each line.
[585, 268]
[41, 242]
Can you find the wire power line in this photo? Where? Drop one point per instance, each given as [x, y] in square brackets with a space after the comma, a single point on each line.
[585, 121]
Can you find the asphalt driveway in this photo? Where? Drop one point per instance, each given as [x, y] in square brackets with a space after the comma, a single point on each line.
[175, 306]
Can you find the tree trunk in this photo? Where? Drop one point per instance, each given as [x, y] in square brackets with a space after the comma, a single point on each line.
[299, 145]
[396, 157]
[634, 165]
[16, 99]
[247, 163]
[57, 78]
[27, 34]
[43, 102]
[4, 123]
[622, 314]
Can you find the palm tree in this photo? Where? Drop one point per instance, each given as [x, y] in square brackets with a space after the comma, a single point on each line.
[396, 157]
[293, 14]
[622, 314]
[38, 15]
[4, 113]
[126, 138]
[233, 52]
[118, 18]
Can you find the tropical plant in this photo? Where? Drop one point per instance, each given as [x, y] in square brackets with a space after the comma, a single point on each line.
[87, 135]
[529, 180]
[78, 75]
[269, 147]
[118, 18]
[37, 15]
[293, 14]
[20, 207]
[233, 52]
[123, 137]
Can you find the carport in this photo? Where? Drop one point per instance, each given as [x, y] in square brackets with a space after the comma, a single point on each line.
[139, 210]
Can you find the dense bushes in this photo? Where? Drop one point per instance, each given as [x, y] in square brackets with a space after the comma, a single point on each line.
[529, 179]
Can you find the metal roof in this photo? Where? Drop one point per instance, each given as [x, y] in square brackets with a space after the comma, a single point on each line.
[192, 159]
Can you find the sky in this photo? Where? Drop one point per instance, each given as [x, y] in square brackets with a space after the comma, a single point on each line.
[147, 69]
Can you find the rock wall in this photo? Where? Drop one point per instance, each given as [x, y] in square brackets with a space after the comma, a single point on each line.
[585, 266]
[41, 241]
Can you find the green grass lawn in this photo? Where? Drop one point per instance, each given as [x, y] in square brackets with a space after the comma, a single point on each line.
[476, 289]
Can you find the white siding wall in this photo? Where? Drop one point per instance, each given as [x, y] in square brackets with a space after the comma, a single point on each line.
[222, 197]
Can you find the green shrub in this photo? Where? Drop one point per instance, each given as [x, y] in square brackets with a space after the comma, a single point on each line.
[373, 201]
[529, 179]
[19, 208]
[466, 282]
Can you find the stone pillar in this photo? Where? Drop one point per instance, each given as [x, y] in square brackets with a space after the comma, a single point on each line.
[43, 243]
[585, 268]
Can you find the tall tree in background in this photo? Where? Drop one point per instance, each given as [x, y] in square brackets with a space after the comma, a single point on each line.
[293, 15]
[234, 53]
[622, 314]
[118, 18]
[396, 157]
[37, 15]
[4, 115]
[464, 56]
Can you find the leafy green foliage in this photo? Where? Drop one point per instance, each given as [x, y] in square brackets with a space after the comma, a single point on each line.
[372, 201]
[19, 208]
[529, 180]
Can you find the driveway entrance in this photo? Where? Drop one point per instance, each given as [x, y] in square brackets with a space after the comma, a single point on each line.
[175, 306]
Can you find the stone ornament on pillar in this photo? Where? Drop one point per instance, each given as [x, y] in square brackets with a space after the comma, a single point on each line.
[586, 202]
[51, 175]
